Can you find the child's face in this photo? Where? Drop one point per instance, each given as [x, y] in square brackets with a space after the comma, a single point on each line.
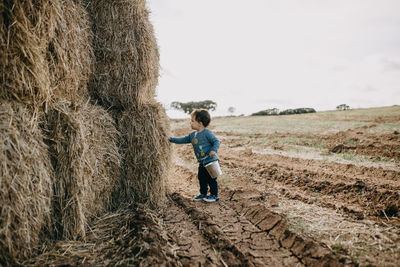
[195, 124]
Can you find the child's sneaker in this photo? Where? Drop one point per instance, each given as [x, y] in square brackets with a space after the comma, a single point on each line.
[199, 197]
[211, 198]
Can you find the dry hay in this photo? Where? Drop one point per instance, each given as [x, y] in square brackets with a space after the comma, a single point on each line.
[70, 53]
[25, 183]
[45, 51]
[127, 59]
[25, 30]
[130, 236]
[146, 153]
[82, 144]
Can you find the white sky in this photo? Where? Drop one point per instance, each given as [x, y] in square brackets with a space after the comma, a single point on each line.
[260, 54]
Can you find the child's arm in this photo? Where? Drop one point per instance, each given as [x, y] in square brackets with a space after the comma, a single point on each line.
[181, 140]
[215, 142]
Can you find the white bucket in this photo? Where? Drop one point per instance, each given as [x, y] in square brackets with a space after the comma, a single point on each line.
[213, 169]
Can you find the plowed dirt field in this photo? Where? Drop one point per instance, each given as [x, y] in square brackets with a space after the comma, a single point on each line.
[316, 189]
[301, 190]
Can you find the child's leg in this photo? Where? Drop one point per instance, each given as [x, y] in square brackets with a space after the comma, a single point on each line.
[203, 180]
[213, 183]
[213, 186]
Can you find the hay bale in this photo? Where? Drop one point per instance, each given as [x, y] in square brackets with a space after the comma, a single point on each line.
[82, 144]
[26, 28]
[126, 52]
[146, 153]
[25, 184]
[70, 53]
[45, 51]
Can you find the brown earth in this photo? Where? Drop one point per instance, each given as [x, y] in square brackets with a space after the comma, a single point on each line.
[358, 219]
[274, 210]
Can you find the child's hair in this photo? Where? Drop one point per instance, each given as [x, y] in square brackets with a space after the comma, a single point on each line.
[201, 115]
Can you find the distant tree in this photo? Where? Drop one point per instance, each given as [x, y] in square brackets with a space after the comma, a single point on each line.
[343, 107]
[188, 107]
[231, 110]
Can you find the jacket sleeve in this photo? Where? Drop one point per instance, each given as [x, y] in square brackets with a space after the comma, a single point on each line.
[181, 140]
[214, 141]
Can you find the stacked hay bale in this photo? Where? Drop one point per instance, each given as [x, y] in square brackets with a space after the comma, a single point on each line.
[127, 59]
[144, 147]
[60, 160]
[61, 153]
[25, 184]
[82, 138]
[83, 148]
[69, 54]
[26, 28]
[124, 82]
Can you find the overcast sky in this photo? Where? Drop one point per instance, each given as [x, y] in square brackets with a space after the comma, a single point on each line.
[260, 54]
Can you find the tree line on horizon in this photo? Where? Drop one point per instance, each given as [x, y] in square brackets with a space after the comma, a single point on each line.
[275, 111]
[188, 107]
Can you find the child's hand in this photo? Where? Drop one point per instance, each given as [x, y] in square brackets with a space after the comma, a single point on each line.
[212, 154]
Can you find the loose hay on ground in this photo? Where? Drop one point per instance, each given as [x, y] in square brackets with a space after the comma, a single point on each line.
[25, 185]
[132, 235]
[145, 150]
[127, 59]
[82, 144]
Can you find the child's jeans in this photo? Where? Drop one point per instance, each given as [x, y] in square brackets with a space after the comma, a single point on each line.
[205, 180]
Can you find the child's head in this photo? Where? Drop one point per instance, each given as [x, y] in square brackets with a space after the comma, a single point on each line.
[201, 116]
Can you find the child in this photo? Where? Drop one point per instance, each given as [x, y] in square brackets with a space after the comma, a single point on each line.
[205, 146]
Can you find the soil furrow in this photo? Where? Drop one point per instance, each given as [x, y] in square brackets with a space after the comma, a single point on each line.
[365, 196]
[357, 141]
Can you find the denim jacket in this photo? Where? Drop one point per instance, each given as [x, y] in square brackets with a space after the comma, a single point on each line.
[203, 143]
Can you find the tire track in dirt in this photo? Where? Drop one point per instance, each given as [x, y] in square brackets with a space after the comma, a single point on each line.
[309, 252]
[230, 253]
[228, 232]
[189, 244]
[233, 234]
[259, 236]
